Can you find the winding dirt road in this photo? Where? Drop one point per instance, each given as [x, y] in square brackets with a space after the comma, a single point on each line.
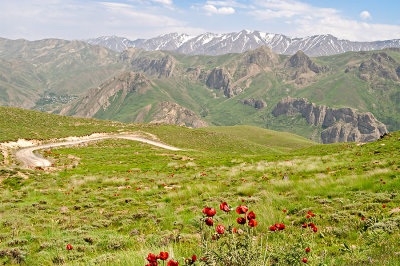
[30, 159]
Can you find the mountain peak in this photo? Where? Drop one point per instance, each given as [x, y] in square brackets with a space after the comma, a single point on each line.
[237, 42]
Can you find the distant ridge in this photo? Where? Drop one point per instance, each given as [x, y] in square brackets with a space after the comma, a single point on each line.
[238, 42]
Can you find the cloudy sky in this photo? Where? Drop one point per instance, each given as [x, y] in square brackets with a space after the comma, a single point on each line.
[358, 20]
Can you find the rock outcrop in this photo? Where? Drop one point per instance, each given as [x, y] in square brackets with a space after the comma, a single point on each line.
[220, 79]
[256, 103]
[381, 65]
[262, 56]
[159, 68]
[340, 125]
[302, 62]
[99, 98]
[173, 114]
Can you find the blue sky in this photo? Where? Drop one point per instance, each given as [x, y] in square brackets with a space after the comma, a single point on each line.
[357, 20]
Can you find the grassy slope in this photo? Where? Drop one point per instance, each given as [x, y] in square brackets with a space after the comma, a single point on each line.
[110, 221]
[18, 123]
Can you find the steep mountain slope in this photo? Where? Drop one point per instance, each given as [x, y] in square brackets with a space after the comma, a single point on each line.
[238, 42]
[30, 71]
[246, 88]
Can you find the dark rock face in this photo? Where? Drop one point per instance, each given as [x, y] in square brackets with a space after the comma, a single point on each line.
[378, 67]
[173, 114]
[258, 104]
[160, 68]
[341, 125]
[301, 61]
[220, 79]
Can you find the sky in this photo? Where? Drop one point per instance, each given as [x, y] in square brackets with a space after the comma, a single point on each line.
[356, 20]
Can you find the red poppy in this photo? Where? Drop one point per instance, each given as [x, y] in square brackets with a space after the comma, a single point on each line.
[311, 225]
[308, 249]
[383, 206]
[234, 230]
[151, 257]
[209, 222]
[252, 223]
[251, 215]
[224, 206]
[69, 247]
[172, 263]
[315, 229]
[272, 228]
[242, 200]
[210, 212]
[309, 212]
[152, 264]
[220, 229]
[312, 214]
[284, 210]
[280, 226]
[304, 260]
[304, 225]
[242, 209]
[363, 218]
[308, 216]
[241, 220]
[163, 256]
[194, 257]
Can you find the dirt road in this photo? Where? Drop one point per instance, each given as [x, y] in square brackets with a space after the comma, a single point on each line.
[30, 159]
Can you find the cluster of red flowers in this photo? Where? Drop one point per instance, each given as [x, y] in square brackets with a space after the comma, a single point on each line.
[152, 259]
[242, 209]
[276, 227]
[305, 260]
[251, 216]
[310, 214]
[311, 225]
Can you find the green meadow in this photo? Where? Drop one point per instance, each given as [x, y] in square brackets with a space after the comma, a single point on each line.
[116, 201]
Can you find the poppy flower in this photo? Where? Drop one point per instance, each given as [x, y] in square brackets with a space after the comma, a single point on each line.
[210, 212]
[311, 225]
[152, 264]
[242, 200]
[220, 229]
[252, 223]
[383, 206]
[312, 214]
[172, 263]
[251, 215]
[163, 256]
[151, 257]
[241, 220]
[280, 226]
[272, 228]
[209, 222]
[284, 210]
[308, 216]
[315, 229]
[234, 230]
[69, 247]
[363, 218]
[309, 212]
[304, 225]
[304, 260]
[308, 249]
[224, 206]
[242, 209]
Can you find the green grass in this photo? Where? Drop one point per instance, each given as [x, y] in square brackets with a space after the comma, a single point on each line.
[19, 123]
[125, 199]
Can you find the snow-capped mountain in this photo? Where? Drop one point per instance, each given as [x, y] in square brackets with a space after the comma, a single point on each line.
[237, 42]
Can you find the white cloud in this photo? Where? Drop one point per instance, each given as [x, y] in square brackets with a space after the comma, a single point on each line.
[306, 20]
[365, 15]
[164, 2]
[211, 9]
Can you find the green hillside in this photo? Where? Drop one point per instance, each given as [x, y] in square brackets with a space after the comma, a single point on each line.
[116, 201]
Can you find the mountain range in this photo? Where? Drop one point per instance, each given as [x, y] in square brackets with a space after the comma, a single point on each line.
[354, 96]
[238, 42]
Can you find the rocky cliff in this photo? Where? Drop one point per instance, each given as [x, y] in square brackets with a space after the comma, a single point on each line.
[380, 65]
[340, 125]
[220, 79]
[173, 114]
[99, 98]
